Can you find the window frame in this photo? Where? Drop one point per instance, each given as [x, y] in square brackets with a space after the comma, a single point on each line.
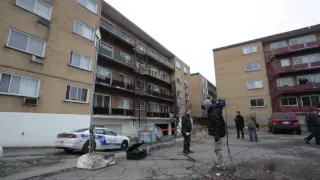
[106, 70]
[104, 95]
[280, 60]
[178, 65]
[297, 104]
[96, 7]
[144, 105]
[164, 105]
[254, 88]
[179, 96]
[309, 98]
[34, 9]
[29, 35]
[111, 47]
[264, 103]
[280, 84]
[153, 86]
[84, 24]
[158, 107]
[127, 34]
[121, 74]
[75, 101]
[120, 97]
[294, 62]
[185, 70]
[252, 45]
[285, 42]
[313, 35]
[82, 57]
[179, 80]
[245, 66]
[142, 82]
[21, 76]
[138, 43]
[154, 69]
[166, 75]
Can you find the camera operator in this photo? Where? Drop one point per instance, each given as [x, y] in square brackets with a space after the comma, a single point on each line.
[216, 127]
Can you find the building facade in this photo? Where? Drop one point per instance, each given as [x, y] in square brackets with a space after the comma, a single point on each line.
[200, 88]
[182, 85]
[278, 73]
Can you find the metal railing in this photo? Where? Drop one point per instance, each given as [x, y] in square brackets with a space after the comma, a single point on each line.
[159, 95]
[112, 111]
[114, 55]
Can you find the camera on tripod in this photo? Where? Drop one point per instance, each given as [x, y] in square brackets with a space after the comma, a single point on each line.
[220, 103]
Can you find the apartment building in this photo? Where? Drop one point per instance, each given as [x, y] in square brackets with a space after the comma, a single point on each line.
[182, 85]
[46, 67]
[133, 87]
[201, 88]
[278, 73]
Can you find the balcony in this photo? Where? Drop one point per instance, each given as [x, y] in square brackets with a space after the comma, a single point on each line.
[297, 68]
[115, 84]
[116, 31]
[112, 111]
[298, 47]
[114, 56]
[160, 59]
[298, 108]
[299, 88]
[159, 95]
[157, 114]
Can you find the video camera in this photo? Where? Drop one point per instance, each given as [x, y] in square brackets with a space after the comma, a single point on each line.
[220, 103]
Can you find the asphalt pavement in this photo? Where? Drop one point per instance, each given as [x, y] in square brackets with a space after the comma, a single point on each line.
[280, 156]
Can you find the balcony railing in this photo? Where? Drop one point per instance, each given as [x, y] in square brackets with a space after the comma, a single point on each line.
[298, 108]
[115, 83]
[114, 55]
[297, 67]
[159, 95]
[299, 88]
[159, 59]
[116, 31]
[157, 114]
[297, 47]
[112, 111]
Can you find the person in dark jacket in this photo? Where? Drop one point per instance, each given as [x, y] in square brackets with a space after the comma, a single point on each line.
[186, 131]
[239, 125]
[312, 124]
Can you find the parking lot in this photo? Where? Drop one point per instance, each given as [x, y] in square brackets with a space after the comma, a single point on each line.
[280, 156]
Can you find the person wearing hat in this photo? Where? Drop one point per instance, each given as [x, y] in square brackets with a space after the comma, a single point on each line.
[251, 124]
[186, 131]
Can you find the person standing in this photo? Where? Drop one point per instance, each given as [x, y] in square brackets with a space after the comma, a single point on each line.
[186, 131]
[312, 125]
[251, 124]
[239, 125]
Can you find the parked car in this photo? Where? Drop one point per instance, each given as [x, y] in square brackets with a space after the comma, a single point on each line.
[1, 154]
[79, 140]
[284, 121]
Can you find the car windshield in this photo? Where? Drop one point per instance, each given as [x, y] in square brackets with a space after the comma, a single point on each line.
[80, 130]
[285, 116]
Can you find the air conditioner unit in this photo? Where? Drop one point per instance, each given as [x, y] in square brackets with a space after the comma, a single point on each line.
[31, 101]
[37, 59]
[44, 21]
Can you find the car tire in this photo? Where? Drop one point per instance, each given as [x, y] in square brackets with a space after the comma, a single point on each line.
[298, 131]
[68, 151]
[85, 148]
[124, 145]
[269, 128]
[273, 130]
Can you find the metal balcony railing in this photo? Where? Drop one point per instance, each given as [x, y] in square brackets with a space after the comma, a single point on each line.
[299, 88]
[158, 114]
[103, 50]
[159, 95]
[112, 111]
[298, 108]
[297, 47]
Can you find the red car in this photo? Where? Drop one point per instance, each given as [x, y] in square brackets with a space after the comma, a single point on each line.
[284, 121]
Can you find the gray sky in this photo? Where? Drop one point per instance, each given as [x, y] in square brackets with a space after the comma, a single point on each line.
[191, 29]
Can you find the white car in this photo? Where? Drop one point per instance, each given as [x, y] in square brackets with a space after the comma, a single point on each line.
[79, 140]
[1, 154]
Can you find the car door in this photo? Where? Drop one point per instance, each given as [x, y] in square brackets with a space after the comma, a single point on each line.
[112, 140]
[99, 139]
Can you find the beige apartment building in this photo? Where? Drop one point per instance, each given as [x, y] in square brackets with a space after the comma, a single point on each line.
[47, 64]
[278, 73]
[200, 88]
[182, 85]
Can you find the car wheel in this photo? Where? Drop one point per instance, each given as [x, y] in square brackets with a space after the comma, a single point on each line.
[124, 145]
[68, 151]
[273, 130]
[269, 128]
[85, 148]
[298, 131]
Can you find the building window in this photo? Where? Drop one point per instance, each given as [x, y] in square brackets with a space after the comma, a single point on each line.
[206, 83]
[304, 79]
[140, 46]
[202, 80]
[252, 66]
[153, 107]
[277, 45]
[286, 81]
[153, 87]
[103, 73]
[257, 103]
[289, 101]
[103, 101]
[123, 103]
[83, 30]
[178, 65]
[302, 40]
[282, 63]
[26, 43]
[140, 105]
[180, 108]
[89, 4]
[187, 97]
[255, 84]
[77, 94]
[153, 53]
[106, 49]
[186, 83]
[107, 25]
[38, 7]
[249, 49]
[312, 100]
[125, 36]
[179, 80]
[164, 76]
[153, 71]
[125, 79]
[306, 59]
[179, 94]
[164, 108]
[11, 84]
[125, 57]
[80, 61]
[185, 70]
[203, 90]
[164, 91]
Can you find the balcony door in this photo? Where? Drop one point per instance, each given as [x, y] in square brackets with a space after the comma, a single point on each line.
[102, 101]
[125, 79]
[153, 107]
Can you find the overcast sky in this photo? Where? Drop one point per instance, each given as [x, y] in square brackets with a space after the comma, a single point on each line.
[191, 29]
